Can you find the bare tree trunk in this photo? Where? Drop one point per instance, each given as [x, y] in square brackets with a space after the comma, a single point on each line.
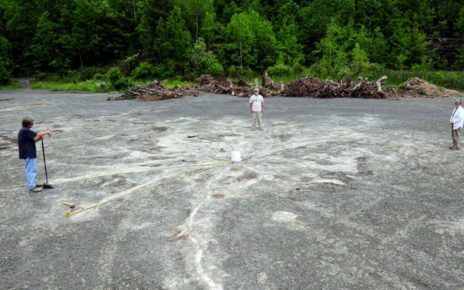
[379, 83]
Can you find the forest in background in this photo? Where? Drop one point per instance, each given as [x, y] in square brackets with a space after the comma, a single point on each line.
[117, 41]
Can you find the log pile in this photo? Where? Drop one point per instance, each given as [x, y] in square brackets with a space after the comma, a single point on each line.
[315, 88]
[154, 92]
[305, 87]
[208, 84]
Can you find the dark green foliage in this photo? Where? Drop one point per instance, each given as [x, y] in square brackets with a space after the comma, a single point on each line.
[161, 38]
[459, 64]
[279, 70]
[205, 62]
[173, 44]
[4, 61]
[249, 42]
[116, 79]
[144, 71]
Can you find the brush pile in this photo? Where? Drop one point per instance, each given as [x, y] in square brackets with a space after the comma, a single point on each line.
[315, 88]
[306, 87]
[154, 92]
[208, 84]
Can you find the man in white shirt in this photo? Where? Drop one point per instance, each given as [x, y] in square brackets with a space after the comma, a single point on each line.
[256, 109]
[456, 121]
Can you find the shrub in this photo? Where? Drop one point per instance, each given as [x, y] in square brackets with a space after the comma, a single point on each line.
[4, 75]
[116, 78]
[144, 71]
[129, 64]
[205, 62]
[88, 73]
[240, 72]
[279, 70]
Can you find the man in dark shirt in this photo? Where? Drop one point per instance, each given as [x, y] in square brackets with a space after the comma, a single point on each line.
[27, 151]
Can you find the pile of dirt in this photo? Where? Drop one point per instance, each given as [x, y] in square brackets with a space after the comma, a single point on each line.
[418, 88]
[315, 88]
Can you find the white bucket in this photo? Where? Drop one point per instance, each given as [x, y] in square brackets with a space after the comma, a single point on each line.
[235, 156]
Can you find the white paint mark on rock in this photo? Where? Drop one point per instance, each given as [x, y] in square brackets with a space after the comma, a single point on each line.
[283, 217]
[262, 278]
[450, 227]
[332, 181]
[289, 220]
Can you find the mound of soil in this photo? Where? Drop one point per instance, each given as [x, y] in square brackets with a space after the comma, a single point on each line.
[418, 88]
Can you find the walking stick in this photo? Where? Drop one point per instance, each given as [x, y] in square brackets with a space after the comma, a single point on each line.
[46, 185]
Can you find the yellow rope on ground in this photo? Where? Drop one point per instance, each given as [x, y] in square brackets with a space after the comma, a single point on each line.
[142, 187]
[140, 168]
[122, 172]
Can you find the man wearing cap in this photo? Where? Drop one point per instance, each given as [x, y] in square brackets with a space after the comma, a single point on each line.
[256, 109]
[456, 121]
[27, 151]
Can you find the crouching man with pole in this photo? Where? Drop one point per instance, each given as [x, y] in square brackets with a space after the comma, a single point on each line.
[456, 121]
[28, 152]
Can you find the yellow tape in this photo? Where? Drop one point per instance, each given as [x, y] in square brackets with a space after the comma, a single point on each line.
[128, 171]
[61, 181]
[142, 187]
[68, 204]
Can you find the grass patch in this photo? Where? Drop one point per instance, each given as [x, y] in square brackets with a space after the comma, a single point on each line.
[445, 79]
[174, 83]
[13, 85]
[88, 85]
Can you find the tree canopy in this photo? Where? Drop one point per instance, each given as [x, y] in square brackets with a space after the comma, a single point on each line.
[184, 37]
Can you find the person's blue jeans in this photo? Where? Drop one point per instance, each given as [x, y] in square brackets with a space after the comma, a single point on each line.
[31, 172]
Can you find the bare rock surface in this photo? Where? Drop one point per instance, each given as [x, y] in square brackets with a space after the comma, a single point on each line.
[334, 194]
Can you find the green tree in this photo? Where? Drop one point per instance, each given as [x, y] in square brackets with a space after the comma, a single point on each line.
[205, 62]
[210, 28]
[459, 63]
[45, 45]
[173, 43]
[460, 23]
[317, 16]
[409, 47]
[151, 12]
[334, 49]
[374, 44]
[287, 13]
[20, 19]
[287, 45]
[5, 47]
[249, 42]
[194, 12]
[360, 61]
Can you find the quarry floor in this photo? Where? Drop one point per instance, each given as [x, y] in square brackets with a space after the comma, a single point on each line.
[333, 194]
